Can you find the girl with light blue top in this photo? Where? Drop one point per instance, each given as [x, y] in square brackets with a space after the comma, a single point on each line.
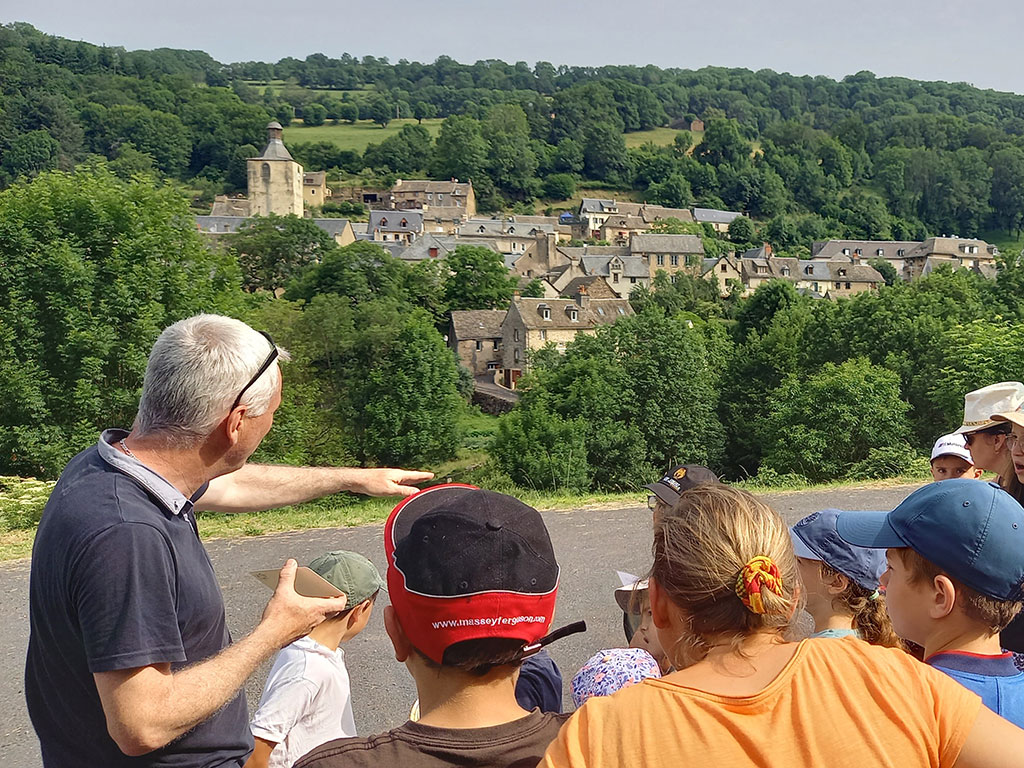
[841, 582]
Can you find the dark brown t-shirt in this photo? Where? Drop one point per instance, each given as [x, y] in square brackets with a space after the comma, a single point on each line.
[519, 744]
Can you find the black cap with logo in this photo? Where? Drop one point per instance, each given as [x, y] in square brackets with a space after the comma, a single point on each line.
[679, 479]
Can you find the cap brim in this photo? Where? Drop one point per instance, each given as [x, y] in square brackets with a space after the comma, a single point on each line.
[663, 492]
[624, 594]
[975, 428]
[1016, 417]
[868, 529]
[800, 548]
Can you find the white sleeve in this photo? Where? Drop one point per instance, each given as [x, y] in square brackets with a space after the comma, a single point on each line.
[281, 707]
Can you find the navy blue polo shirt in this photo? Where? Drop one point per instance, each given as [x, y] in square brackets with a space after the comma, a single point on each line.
[121, 580]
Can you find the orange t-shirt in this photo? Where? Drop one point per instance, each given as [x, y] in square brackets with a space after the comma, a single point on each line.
[840, 703]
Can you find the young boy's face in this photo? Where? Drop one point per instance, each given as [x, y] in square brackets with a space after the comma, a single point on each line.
[646, 635]
[905, 600]
[814, 588]
[950, 467]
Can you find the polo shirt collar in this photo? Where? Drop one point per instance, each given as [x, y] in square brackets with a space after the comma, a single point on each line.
[169, 497]
[988, 665]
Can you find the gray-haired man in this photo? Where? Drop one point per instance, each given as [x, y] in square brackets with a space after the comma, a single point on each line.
[129, 653]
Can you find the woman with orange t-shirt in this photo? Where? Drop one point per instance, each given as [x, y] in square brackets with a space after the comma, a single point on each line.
[723, 588]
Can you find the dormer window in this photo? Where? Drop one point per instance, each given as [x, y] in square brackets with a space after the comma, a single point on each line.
[880, 252]
[842, 273]
[511, 230]
[785, 271]
[384, 221]
[622, 311]
[900, 252]
[480, 229]
[404, 223]
[846, 251]
[808, 269]
[574, 315]
[858, 251]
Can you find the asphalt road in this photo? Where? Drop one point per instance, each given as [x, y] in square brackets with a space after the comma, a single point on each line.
[590, 544]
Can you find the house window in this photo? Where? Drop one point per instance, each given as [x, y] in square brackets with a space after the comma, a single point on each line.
[497, 343]
[858, 251]
[816, 288]
[479, 345]
[842, 273]
[785, 271]
[723, 267]
[440, 196]
[632, 281]
[600, 311]
[808, 269]
[543, 335]
[405, 223]
[574, 316]
[546, 313]
[846, 251]
[839, 285]
[661, 260]
[847, 286]
[515, 335]
[312, 191]
[480, 229]
[515, 354]
[675, 260]
[899, 252]
[880, 252]
[622, 311]
[384, 221]
[430, 196]
[615, 277]
[492, 366]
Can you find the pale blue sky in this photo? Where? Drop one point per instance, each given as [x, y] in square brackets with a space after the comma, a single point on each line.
[974, 42]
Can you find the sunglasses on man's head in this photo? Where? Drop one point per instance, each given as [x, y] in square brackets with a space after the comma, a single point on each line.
[262, 369]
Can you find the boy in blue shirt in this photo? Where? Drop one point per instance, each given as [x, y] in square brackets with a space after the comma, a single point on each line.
[955, 552]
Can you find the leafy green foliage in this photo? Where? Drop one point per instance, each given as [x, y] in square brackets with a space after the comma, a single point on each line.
[273, 249]
[86, 285]
[478, 280]
[823, 426]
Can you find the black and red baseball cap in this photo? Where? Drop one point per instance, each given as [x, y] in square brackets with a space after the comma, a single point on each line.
[465, 564]
[681, 478]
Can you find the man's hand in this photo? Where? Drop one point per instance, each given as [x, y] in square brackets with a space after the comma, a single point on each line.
[388, 482]
[289, 615]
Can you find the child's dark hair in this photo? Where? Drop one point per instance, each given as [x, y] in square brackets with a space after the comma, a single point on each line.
[479, 656]
[994, 614]
[867, 607]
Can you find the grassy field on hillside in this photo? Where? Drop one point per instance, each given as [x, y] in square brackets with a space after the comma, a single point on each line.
[662, 137]
[276, 86]
[1008, 244]
[355, 137]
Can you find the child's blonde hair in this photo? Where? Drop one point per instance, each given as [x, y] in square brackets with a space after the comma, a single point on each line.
[701, 548]
[867, 607]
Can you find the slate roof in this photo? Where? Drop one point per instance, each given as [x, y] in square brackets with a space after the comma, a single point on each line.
[333, 227]
[626, 222]
[575, 253]
[666, 244]
[220, 224]
[597, 205]
[714, 216]
[652, 213]
[952, 247]
[828, 249]
[632, 266]
[275, 150]
[314, 178]
[829, 271]
[391, 221]
[597, 287]
[503, 228]
[597, 312]
[418, 186]
[471, 324]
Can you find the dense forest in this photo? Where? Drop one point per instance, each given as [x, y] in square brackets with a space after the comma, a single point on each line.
[808, 157]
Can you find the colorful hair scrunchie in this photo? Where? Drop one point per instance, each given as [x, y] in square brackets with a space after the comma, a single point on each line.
[758, 574]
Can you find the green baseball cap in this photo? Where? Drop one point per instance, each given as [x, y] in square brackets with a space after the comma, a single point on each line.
[350, 572]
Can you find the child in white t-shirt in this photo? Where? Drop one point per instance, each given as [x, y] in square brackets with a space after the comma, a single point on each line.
[307, 700]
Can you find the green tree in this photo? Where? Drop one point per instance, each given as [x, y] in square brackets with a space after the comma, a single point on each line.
[361, 271]
[741, 230]
[539, 449]
[314, 114]
[885, 269]
[478, 279]
[378, 109]
[29, 154]
[423, 111]
[86, 286]
[723, 145]
[511, 162]
[284, 113]
[348, 111]
[274, 249]
[674, 192]
[819, 427]
[460, 151]
[559, 186]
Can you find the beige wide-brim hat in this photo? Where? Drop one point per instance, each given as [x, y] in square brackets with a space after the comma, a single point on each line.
[980, 405]
[1016, 417]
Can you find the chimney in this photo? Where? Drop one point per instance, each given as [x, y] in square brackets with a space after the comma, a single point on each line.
[275, 131]
[768, 249]
[582, 297]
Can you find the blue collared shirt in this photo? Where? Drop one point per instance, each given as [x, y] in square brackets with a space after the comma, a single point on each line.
[995, 678]
[120, 580]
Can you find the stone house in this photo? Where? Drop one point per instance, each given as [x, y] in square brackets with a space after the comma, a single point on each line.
[422, 193]
[475, 337]
[340, 229]
[836, 279]
[724, 271]
[957, 252]
[669, 253]
[403, 226]
[531, 324]
[719, 220]
[594, 286]
[622, 270]
[314, 188]
[508, 235]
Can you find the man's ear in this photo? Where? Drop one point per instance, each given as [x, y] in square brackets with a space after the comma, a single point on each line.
[401, 644]
[232, 425]
[943, 597]
[977, 473]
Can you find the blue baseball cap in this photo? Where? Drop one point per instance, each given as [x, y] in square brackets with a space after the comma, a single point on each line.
[971, 530]
[815, 538]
